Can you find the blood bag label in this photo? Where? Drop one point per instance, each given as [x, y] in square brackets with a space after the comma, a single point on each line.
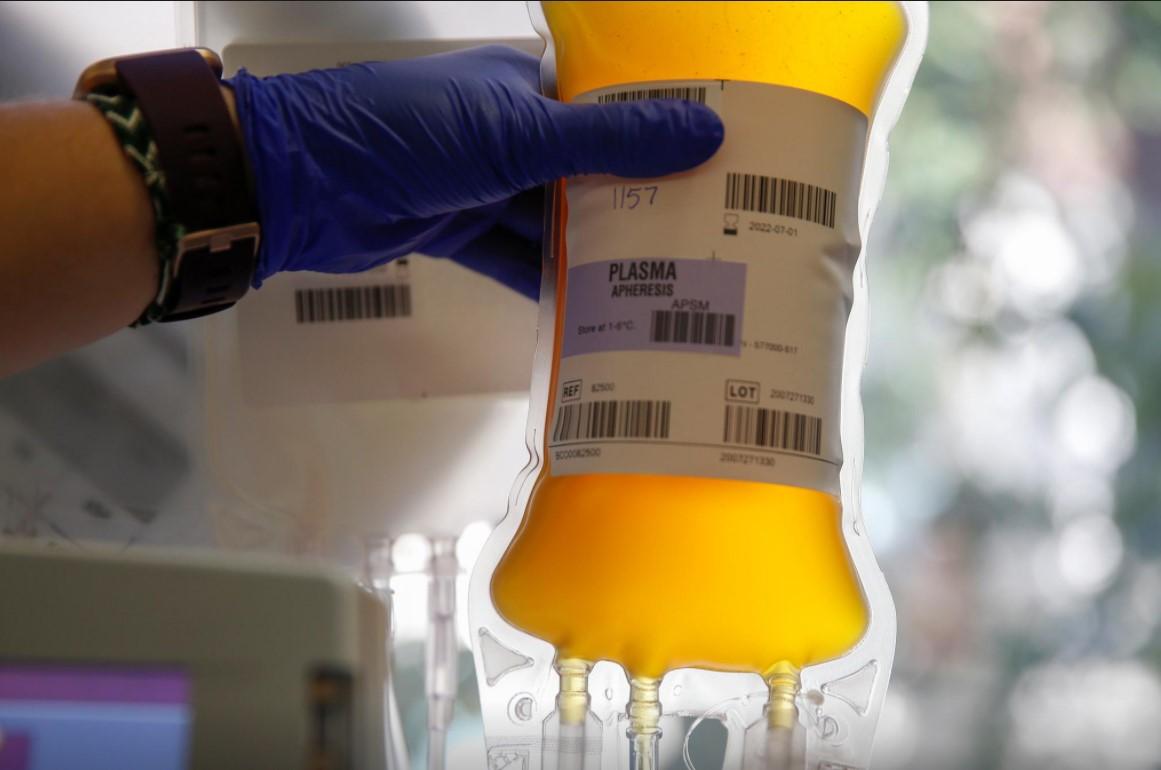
[705, 312]
[655, 304]
[311, 338]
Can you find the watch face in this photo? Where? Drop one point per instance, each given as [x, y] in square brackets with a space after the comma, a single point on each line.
[103, 74]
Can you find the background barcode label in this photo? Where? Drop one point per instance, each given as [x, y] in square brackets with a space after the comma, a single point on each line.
[612, 419]
[693, 327]
[693, 94]
[773, 428]
[784, 197]
[352, 303]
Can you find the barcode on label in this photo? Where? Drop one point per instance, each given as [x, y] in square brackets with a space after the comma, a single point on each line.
[612, 419]
[693, 94]
[352, 303]
[784, 197]
[693, 327]
[773, 429]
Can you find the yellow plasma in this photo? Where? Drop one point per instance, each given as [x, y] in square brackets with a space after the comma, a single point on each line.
[662, 572]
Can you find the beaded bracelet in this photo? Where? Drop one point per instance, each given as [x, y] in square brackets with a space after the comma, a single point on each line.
[133, 132]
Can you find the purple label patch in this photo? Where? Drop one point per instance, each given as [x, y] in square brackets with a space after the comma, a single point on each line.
[692, 305]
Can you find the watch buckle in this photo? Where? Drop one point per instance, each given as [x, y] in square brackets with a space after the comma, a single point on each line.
[217, 240]
[221, 265]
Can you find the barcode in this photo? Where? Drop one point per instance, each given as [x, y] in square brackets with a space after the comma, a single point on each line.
[612, 419]
[784, 197]
[693, 94]
[693, 327]
[352, 303]
[773, 428]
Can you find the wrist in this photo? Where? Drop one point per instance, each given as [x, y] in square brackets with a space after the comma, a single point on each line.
[261, 129]
[231, 102]
[316, 148]
[180, 128]
[231, 106]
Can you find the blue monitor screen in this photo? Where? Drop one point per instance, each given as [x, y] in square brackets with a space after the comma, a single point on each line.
[65, 717]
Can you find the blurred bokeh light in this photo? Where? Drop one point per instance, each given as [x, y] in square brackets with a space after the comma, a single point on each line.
[1012, 391]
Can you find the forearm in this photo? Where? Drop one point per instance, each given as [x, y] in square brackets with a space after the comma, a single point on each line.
[77, 255]
[77, 260]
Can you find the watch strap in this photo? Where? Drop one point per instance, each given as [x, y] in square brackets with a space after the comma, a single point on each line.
[204, 176]
[198, 147]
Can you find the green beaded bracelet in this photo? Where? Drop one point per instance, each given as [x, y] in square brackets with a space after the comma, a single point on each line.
[133, 132]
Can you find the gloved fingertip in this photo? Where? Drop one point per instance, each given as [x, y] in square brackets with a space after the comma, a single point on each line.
[684, 134]
[706, 132]
[652, 138]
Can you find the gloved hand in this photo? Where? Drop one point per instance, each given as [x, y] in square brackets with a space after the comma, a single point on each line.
[359, 165]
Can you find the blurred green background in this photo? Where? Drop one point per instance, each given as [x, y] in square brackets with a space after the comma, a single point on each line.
[1013, 393]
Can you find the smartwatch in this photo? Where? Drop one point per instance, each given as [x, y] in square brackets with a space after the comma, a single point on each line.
[169, 112]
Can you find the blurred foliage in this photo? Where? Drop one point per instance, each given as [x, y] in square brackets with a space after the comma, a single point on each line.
[1064, 100]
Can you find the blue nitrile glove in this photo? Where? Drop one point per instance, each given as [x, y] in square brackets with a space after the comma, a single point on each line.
[359, 165]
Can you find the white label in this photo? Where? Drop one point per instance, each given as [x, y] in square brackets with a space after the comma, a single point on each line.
[705, 312]
[413, 328]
